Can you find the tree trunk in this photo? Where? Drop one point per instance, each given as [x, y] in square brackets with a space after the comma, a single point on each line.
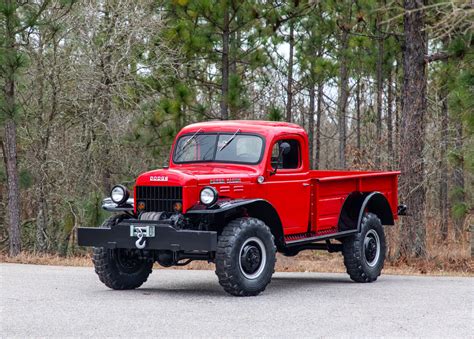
[9, 141]
[13, 187]
[390, 119]
[378, 148]
[412, 189]
[312, 94]
[319, 114]
[443, 163]
[42, 214]
[41, 222]
[289, 88]
[343, 94]
[225, 66]
[106, 105]
[358, 116]
[459, 196]
[398, 105]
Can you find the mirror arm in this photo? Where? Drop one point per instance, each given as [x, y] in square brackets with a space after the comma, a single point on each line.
[274, 170]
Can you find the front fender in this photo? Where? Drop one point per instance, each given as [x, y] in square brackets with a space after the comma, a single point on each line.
[222, 212]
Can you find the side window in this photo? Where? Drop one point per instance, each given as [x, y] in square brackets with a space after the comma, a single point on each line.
[291, 160]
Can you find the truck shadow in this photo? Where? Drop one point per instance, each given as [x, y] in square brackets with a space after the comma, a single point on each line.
[213, 289]
[197, 290]
[285, 282]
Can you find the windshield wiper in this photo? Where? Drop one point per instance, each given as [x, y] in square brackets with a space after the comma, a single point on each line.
[229, 141]
[187, 142]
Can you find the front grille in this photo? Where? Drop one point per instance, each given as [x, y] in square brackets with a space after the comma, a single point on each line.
[159, 198]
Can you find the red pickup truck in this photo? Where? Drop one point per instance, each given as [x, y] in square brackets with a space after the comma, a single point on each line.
[234, 193]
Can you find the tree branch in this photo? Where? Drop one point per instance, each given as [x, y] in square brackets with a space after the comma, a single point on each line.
[437, 57]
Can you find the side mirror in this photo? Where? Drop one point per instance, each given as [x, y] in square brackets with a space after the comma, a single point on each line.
[285, 148]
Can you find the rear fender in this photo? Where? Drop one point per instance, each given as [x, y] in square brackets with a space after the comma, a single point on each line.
[357, 203]
[221, 213]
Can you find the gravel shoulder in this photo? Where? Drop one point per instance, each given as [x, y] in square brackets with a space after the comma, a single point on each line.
[56, 301]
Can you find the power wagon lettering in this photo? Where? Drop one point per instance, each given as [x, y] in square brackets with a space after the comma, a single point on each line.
[225, 181]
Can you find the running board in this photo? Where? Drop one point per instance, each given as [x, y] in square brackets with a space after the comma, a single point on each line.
[308, 240]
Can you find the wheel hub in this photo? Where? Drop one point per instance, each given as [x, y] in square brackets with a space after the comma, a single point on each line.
[128, 260]
[371, 247]
[252, 258]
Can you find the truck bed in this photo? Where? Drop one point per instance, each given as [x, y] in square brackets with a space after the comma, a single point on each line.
[329, 189]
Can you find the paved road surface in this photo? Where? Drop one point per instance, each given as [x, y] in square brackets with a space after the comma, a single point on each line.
[70, 301]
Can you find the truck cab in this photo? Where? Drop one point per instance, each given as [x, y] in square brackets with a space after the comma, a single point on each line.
[234, 193]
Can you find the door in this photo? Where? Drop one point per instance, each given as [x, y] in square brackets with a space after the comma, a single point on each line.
[287, 185]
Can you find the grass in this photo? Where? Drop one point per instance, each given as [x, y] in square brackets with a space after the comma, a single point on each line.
[442, 264]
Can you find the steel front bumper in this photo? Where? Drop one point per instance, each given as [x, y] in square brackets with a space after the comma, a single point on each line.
[165, 237]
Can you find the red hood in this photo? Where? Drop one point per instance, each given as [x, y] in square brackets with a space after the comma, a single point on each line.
[202, 174]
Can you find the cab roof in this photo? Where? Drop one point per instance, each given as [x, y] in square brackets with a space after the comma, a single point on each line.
[249, 126]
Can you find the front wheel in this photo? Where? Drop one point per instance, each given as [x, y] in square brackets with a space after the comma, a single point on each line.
[245, 257]
[118, 268]
[364, 253]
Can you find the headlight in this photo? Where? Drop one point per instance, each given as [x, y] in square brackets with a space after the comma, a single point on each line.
[208, 195]
[119, 194]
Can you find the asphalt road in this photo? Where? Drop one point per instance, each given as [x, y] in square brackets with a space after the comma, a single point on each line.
[53, 301]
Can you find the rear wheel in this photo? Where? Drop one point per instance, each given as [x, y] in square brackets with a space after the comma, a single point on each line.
[121, 269]
[245, 257]
[364, 253]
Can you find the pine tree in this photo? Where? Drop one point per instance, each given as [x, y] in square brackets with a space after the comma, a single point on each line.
[16, 18]
[222, 45]
[316, 69]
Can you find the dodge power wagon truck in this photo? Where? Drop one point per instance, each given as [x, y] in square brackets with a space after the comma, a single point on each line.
[234, 193]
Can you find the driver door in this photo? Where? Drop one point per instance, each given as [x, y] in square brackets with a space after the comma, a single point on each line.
[288, 188]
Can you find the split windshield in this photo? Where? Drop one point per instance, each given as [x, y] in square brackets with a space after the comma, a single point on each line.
[219, 147]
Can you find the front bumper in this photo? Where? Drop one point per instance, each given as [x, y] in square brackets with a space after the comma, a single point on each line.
[165, 237]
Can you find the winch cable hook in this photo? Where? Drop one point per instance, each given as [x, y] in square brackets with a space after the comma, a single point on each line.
[141, 241]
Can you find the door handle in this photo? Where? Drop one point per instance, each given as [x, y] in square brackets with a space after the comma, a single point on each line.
[305, 184]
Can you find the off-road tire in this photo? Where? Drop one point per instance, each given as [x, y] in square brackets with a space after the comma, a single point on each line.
[109, 269]
[353, 249]
[229, 249]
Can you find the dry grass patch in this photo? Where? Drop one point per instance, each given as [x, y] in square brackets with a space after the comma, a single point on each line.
[307, 261]
[46, 259]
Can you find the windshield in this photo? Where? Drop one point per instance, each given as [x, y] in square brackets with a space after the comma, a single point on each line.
[228, 147]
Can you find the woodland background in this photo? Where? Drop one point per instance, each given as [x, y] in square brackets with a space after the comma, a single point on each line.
[93, 92]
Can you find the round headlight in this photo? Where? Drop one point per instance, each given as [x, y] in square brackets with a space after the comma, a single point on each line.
[119, 194]
[208, 195]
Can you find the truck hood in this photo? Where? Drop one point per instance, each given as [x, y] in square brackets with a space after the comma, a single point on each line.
[202, 174]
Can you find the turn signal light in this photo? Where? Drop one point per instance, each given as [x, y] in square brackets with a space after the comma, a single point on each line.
[177, 207]
[141, 206]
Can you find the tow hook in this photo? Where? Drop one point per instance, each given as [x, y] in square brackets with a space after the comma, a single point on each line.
[141, 241]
